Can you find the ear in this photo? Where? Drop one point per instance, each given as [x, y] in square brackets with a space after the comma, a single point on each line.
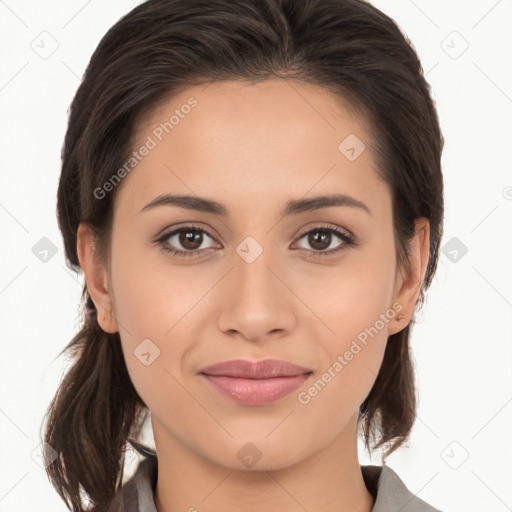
[95, 275]
[408, 284]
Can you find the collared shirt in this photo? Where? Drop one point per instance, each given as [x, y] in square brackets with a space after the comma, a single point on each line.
[390, 493]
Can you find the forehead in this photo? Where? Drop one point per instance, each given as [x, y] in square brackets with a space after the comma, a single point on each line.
[252, 142]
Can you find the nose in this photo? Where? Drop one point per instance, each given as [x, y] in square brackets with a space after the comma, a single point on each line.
[256, 302]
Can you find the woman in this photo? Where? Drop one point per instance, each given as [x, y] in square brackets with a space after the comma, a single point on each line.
[253, 191]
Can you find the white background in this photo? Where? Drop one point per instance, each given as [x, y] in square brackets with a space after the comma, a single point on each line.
[459, 454]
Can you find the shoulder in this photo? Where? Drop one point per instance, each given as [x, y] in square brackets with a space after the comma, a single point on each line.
[390, 492]
[137, 493]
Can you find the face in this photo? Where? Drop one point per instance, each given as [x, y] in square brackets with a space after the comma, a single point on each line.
[266, 275]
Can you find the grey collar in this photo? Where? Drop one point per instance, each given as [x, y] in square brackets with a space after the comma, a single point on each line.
[383, 483]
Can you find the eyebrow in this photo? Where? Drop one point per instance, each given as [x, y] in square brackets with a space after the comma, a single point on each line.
[293, 207]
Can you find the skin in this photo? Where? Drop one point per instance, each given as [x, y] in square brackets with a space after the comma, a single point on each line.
[253, 147]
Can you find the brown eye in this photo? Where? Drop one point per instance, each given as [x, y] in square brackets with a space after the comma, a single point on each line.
[190, 239]
[185, 241]
[319, 239]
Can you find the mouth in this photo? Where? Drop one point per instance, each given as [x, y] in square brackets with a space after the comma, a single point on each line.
[255, 383]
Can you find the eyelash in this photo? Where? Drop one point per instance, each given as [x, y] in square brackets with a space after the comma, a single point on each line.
[348, 240]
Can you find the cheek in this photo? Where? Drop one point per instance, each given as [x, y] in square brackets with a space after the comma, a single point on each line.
[356, 306]
[148, 299]
[154, 311]
[356, 299]
[351, 364]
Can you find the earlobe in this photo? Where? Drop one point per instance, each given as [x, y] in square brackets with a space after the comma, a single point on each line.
[408, 284]
[95, 275]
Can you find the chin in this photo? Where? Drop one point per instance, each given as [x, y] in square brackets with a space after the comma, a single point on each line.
[257, 453]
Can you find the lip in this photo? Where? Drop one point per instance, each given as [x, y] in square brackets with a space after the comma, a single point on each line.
[255, 383]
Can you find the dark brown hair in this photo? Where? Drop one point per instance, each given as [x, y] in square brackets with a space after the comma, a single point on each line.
[346, 46]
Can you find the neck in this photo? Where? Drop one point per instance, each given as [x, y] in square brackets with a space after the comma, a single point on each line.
[330, 480]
